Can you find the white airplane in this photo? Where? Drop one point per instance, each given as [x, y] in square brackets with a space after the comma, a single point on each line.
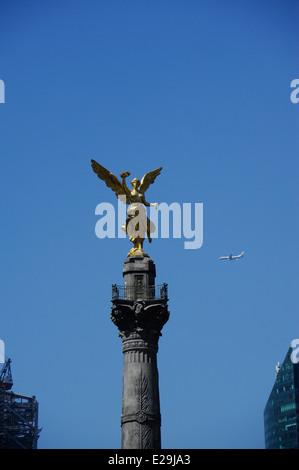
[231, 257]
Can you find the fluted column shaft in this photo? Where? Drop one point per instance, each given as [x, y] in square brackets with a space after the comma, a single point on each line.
[141, 417]
[140, 320]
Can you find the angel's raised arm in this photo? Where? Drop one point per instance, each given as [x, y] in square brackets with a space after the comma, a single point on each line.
[110, 179]
[124, 175]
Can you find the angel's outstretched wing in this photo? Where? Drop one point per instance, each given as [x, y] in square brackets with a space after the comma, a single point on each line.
[148, 179]
[110, 179]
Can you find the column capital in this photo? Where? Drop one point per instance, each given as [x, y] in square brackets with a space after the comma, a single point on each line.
[140, 319]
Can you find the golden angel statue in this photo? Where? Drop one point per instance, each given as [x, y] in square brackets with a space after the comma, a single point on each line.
[137, 224]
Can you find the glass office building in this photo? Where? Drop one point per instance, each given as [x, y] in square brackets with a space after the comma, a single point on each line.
[281, 414]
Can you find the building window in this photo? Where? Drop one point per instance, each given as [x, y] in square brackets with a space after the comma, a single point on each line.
[290, 406]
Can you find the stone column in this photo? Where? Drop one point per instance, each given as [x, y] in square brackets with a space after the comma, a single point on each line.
[140, 311]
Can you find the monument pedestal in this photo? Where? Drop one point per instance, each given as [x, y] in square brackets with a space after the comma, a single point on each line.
[140, 311]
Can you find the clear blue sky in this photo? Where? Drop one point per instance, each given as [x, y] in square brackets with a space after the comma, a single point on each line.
[203, 90]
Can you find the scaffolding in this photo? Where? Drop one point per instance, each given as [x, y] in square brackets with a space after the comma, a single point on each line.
[18, 421]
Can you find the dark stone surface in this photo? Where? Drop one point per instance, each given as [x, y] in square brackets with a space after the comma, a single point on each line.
[140, 320]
